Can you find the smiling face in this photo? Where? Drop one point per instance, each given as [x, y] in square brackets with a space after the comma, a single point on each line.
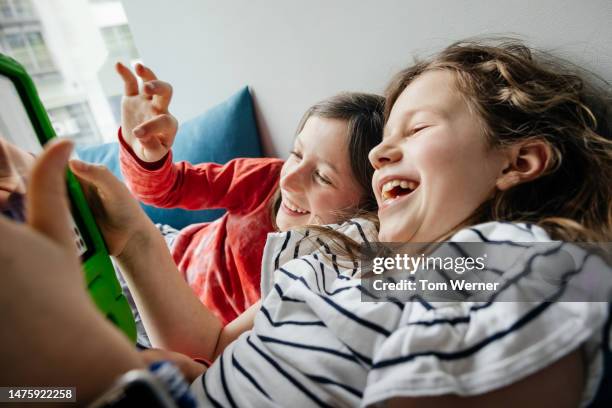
[317, 182]
[433, 167]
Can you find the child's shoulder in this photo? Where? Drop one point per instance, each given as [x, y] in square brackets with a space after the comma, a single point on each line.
[502, 231]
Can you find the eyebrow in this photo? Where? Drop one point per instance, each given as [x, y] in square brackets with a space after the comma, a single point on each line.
[330, 165]
[426, 109]
[325, 162]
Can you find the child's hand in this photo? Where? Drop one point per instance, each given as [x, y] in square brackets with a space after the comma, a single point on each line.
[146, 124]
[49, 318]
[47, 235]
[117, 212]
[190, 369]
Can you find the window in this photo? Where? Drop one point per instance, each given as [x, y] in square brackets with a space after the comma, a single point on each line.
[23, 8]
[39, 50]
[16, 9]
[75, 122]
[6, 10]
[29, 49]
[70, 53]
[17, 48]
[119, 42]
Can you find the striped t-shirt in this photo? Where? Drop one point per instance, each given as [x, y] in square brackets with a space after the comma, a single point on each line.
[315, 343]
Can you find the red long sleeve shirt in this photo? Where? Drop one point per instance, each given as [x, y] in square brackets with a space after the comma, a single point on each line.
[220, 260]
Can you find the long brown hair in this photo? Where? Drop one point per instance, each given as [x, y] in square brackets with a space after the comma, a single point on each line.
[520, 94]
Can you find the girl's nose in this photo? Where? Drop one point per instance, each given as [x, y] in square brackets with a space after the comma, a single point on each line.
[293, 179]
[383, 154]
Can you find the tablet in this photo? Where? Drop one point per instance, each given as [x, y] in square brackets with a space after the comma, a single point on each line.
[24, 129]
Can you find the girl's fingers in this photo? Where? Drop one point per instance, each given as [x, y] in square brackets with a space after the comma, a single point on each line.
[98, 176]
[92, 180]
[47, 205]
[162, 126]
[129, 80]
[162, 91]
[145, 73]
[188, 367]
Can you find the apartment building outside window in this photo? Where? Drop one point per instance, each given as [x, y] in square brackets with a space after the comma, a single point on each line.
[69, 48]
[29, 48]
[16, 9]
[75, 122]
[119, 42]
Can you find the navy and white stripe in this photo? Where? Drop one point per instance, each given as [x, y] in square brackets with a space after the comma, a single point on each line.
[315, 343]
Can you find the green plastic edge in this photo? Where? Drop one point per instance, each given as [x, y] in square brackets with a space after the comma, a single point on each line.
[100, 277]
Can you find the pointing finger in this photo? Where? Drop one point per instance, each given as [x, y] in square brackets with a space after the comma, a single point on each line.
[145, 73]
[129, 80]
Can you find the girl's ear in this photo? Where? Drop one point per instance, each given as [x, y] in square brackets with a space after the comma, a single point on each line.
[526, 162]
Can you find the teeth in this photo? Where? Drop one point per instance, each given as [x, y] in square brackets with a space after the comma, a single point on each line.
[390, 185]
[294, 208]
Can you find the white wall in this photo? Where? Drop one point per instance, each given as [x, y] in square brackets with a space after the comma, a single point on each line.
[294, 53]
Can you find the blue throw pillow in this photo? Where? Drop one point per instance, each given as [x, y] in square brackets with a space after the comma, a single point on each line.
[222, 133]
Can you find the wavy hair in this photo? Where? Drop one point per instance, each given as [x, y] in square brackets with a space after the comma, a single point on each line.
[520, 94]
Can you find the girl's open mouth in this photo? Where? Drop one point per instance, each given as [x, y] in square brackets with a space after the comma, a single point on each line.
[396, 188]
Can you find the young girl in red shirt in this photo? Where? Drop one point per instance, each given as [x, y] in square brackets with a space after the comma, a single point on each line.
[325, 179]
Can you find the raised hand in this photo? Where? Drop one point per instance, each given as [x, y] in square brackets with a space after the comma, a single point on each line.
[147, 125]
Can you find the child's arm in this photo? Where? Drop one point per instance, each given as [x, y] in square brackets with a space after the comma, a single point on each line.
[239, 185]
[147, 133]
[173, 316]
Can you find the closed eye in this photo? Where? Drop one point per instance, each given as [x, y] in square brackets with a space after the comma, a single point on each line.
[296, 154]
[418, 129]
[321, 178]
